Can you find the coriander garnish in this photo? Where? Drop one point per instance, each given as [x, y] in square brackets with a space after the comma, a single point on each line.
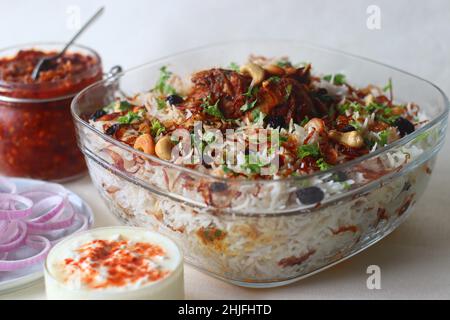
[157, 127]
[161, 85]
[337, 79]
[308, 150]
[212, 109]
[129, 118]
[248, 106]
[234, 66]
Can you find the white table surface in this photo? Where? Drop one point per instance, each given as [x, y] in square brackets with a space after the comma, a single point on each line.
[414, 35]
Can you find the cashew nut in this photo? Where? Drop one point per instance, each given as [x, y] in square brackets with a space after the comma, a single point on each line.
[163, 148]
[352, 139]
[274, 69]
[368, 99]
[255, 71]
[145, 143]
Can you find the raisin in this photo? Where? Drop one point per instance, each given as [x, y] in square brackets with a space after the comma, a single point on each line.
[113, 129]
[322, 91]
[348, 128]
[404, 126]
[276, 121]
[174, 99]
[97, 114]
[218, 187]
[322, 95]
[310, 195]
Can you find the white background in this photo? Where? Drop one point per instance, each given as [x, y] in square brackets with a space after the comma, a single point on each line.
[414, 36]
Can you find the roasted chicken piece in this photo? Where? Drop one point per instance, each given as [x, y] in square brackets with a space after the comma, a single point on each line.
[283, 97]
[226, 86]
[288, 99]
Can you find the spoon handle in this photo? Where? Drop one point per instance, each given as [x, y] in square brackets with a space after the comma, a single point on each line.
[84, 27]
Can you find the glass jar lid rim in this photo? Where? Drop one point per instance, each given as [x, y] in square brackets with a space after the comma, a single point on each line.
[11, 86]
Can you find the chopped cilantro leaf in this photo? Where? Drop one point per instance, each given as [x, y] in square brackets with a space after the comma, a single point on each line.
[252, 164]
[374, 107]
[248, 106]
[388, 87]
[157, 128]
[129, 118]
[253, 167]
[323, 165]
[308, 150]
[274, 79]
[383, 137]
[251, 91]
[226, 169]
[161, 85]
[346, 185]
[386, 118]
[304, 121]
[383, 113]
[234, 66]
[124, 105]
[283, 63]
[355, 124]
[161, 103]
[337, 79]
[257, 115]
[353, 106]
[212, 109]
[118, 105]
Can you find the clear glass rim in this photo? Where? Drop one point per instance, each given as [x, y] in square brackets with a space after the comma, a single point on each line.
[441, 117]
[37, 45]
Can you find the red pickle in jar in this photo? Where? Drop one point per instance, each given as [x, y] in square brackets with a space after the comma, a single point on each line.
[37, 135]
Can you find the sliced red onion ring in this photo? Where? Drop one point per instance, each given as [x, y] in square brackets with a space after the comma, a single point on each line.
[66, 222]
[84, 223]
[13, 213]
[34, 241]
[45, 188]
[57, 204]
[17, 240]
[11, 231]
[3, 226]
[37, 217]
[5, 183]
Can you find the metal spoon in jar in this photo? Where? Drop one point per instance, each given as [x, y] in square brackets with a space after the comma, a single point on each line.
[48, 62]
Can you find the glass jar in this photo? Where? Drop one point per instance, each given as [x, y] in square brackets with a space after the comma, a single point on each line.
[37, 137]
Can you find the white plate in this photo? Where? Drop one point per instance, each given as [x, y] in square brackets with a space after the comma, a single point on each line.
[14, 280]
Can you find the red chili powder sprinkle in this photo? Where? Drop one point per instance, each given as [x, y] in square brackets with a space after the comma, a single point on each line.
[125, 262]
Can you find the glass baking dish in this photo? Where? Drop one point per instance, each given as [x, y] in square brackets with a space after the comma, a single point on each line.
[253, 232]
